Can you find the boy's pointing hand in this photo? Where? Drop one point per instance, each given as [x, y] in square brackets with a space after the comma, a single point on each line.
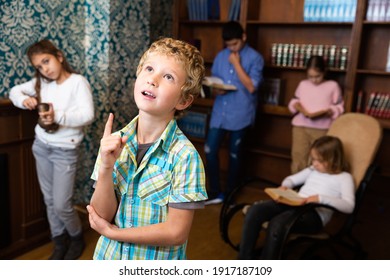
[110, 145]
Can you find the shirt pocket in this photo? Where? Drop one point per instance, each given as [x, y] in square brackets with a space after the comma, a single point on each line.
[155, 185]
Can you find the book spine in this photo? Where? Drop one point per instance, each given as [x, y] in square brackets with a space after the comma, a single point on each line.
[387, 109]
[343, 57]
[387, 16]
[383, 105]
[388, 59]
[359, 101]
[375, 103]
[370, 10]
[370, 102]
[375, 10]
[382, 12]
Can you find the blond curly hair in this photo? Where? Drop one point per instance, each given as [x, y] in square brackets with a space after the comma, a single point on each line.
[186, 54]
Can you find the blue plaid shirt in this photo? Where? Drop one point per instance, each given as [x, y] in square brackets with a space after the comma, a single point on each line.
[236, 110]
[170, 172]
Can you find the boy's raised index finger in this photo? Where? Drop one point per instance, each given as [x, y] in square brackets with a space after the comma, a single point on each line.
[108, 126]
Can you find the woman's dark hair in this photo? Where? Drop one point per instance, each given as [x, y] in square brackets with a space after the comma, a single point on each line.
[330, 149]
[46, 47]
[232, 30]
[316, 62]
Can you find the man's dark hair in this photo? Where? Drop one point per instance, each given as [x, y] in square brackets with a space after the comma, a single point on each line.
[232, 30]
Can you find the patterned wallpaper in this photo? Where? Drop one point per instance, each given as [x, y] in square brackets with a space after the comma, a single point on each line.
[101, 39]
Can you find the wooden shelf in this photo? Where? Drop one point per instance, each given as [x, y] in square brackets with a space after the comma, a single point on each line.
[275, 110]
[373, 72]
[270, 151]
[366, 22]
[302, 23]
[301, 69]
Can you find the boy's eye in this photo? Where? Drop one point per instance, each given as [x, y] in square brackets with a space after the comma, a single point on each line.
[148, 68]
[169, 77]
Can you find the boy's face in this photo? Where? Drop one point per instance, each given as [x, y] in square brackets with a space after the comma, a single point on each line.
[157, 90]
[235, 45]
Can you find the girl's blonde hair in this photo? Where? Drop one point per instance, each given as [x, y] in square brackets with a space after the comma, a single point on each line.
[331, 151]
[46, 47]
[186, 54]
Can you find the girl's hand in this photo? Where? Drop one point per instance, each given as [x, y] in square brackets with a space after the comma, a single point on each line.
[30, 103]
[111, 146]
[312, 199]
[298, 106]
[48, 116]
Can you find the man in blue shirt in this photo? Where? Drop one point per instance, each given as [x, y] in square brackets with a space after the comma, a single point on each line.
[233, 111]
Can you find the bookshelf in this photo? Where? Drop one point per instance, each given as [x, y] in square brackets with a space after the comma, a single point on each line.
[267, 22]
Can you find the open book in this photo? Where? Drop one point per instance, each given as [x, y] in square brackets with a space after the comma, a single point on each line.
[216, 82]
[287, 196]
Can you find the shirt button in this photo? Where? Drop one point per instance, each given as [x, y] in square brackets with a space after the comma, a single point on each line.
[130, 224]
[131, 201]
[231, 71]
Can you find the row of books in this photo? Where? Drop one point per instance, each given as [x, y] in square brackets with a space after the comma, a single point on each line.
[194, 124]
[213, 9]
[329, 10]
[378, 10]
[378, 105]
[296, 55]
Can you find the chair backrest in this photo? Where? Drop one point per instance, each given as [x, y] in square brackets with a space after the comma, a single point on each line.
[361, 136]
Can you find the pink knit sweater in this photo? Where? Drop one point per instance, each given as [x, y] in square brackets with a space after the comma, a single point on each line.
[315, 98]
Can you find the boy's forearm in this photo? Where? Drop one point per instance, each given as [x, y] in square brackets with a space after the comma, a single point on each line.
[244, 78]
[173, 232]
[103, 199]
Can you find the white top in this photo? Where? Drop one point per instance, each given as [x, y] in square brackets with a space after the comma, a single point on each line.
[336, 190]
[73, 108]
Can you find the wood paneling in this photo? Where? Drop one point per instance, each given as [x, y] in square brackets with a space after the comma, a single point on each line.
[27, 225]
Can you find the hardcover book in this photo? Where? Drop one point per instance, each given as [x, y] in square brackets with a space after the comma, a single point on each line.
[285, 196]
[218, 83]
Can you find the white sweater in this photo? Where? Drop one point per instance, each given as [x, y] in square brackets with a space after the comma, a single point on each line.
[73, 108]
[336, 190]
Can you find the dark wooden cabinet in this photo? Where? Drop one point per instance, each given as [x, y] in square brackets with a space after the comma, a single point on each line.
[267, 22]
[23, 213]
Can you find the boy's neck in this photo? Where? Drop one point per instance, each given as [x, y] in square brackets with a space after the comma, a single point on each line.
[150, 129]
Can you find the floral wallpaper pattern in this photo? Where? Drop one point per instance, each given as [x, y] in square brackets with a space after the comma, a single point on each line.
[101, 39]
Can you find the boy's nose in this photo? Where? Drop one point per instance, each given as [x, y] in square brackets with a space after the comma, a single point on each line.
[152, 81]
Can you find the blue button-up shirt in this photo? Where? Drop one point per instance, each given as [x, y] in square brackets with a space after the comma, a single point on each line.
[236, 110]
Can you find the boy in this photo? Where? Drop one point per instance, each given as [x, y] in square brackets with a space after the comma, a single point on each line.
[150, 178]
[233, 111]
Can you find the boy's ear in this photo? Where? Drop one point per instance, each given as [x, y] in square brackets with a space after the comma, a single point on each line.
[183, 104]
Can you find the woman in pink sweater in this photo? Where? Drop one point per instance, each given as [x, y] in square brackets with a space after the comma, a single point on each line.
[316, 104]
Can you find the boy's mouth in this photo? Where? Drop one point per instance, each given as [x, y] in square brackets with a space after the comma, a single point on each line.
[147, 93]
